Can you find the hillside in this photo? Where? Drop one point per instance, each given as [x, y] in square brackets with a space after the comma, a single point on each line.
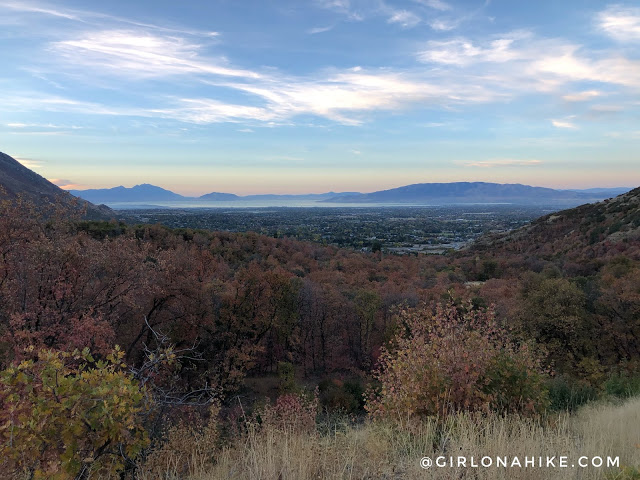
[474, 192]
[573, 231]
[16, 179]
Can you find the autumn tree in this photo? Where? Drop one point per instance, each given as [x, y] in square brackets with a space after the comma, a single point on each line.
[447, 359]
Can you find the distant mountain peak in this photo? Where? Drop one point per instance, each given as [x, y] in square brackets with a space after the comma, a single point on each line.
[144, 192]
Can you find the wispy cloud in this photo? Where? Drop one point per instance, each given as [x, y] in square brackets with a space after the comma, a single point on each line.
[633, 134]
[30, 163]
[344, 96]
[364, 9]
[39, 9]
[443, 25]
[450, 18]
[435, 4]
[66, 184]
[204, 111]
[404, 18]
[467, 71]
[316, 30]
[42, 126]
[343, 7]
[130, 53]
[59, 181]
[582, 96]
[91, 17]
[36, 101]
[51, 133]
[521, 61]
[600, 111]
[461, 51]
[621, 23]
[563, 124]
[503, 162]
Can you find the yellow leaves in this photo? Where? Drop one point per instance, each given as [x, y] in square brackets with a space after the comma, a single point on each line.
[25, 364]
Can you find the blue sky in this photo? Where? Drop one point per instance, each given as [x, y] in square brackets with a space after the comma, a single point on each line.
[284, 96]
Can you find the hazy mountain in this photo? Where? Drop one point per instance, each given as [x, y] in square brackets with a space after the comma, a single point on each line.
[152, 193]
[425, 193]
[218, 197]
[472, 192]
[16, 179]
[139, 193]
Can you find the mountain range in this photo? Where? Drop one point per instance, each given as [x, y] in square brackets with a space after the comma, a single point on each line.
[421, 193]
[151, 193]
[16, 178]
[478, 192]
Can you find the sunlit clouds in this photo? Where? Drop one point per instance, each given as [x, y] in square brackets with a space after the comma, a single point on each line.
[563, 124]
[344, 85]
[621, 23]
[133, 54]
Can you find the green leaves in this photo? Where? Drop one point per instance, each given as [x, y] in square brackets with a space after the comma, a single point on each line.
[66, 412]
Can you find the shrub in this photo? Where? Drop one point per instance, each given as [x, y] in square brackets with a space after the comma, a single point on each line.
[622, 385]
[569, 394]
[513, 385]
[186, 449]
[291, 412]
[451, 359]
[65, 415]
[345, 397]
[286, 375]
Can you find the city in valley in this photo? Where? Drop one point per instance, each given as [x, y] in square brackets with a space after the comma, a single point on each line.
[398, 230]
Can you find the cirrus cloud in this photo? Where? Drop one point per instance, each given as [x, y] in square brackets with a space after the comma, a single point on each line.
[503, 162]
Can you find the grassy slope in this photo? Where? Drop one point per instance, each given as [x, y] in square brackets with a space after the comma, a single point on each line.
[376, 450]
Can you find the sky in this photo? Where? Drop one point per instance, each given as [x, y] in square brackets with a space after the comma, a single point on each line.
[311, 96]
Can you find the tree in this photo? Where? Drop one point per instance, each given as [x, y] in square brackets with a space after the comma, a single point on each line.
[553, 312]
[449, 359]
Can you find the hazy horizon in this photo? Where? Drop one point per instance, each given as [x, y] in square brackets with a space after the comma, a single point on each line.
[328, 95]
[321, 192]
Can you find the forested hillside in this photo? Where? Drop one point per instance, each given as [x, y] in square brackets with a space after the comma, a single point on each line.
[607, 227]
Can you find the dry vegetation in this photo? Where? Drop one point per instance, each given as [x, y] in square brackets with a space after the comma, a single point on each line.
[383, 450]
[495, 339]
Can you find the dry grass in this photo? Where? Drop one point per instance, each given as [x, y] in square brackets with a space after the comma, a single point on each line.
[393, 451]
